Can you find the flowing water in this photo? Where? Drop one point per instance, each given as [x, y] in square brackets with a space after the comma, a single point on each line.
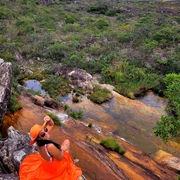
[132, 120]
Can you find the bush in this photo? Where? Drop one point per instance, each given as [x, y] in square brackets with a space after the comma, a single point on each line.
[74, 114]
[124, 37]
[111, 12]
[101, 24]
[14, 104]
[24, 27]
[164, 35]
[56, 86]
[70, 19]
[55, 118]
[169, 126]
[100, 95]
[90, 125]
[100, 9]
[71, 27]
[112, 144]
[56, 51]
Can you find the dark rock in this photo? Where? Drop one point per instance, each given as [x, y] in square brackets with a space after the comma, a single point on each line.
[12, 151]
[51, 103]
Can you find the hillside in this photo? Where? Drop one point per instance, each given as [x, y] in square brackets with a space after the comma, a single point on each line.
[132, 45]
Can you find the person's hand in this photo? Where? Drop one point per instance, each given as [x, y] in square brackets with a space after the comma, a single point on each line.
[65, 146]
[47, 119]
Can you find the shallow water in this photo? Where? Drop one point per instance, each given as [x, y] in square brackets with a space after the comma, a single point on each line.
[132, 120]
[34, 85]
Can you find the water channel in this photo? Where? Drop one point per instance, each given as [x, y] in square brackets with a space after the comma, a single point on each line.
[132, 120]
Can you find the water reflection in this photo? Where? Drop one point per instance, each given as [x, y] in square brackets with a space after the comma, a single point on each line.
[132, 120]
[153, 100]
[35, 85]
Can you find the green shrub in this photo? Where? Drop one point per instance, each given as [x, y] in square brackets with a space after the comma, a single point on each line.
[71, 27]
[55, 118]
[111, 12]
[100, 95]
[56, 51]
[70, 19]
[164, 35]
[56, 86]
[14, 104]
[124, 37]
[24, 27]
[75, 114]
[100, 9]
[169, 126]
[101, 24]
[90, 125]
[112, 144]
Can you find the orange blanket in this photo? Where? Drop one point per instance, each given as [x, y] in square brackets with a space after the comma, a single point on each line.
[33, 167]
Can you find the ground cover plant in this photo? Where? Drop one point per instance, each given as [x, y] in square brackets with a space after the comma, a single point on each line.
[112, 144]
[134, 45]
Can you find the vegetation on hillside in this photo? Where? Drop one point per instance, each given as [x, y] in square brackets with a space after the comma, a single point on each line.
[134, 45]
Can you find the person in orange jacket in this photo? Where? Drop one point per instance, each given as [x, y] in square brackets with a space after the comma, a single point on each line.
[53, 162]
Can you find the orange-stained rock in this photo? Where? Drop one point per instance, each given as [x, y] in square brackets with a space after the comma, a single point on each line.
[167, 160]
[96, 162]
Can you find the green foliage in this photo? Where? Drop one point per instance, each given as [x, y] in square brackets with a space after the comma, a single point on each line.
[111, 12]
[90, 125]
[55, 118]
[169, 126]
[129, 80]
[6, 13]
[56, 86]
[149, 46]
[101, 24]
[74, 114]
[124, 37]
[56, 51]
[112, 144]
[101, 9]
[71, 28]
[24, 27]
[70, 19]
[14, 104]
[164, 35]
[100, 95]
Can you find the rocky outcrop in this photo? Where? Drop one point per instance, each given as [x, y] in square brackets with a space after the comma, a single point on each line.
[167, 160]
[12, 152]
[95, 161]
[5, 86]
[79, 78]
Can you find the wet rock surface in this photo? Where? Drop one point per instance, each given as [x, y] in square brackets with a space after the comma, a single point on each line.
[95, 161]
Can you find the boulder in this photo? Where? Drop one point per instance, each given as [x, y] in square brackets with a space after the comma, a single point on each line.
[79, 78]
[12, 151]
[5, 86]
[167, 160]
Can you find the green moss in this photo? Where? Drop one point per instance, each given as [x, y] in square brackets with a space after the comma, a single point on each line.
[100, 95]
[112, 144]
[55, 118]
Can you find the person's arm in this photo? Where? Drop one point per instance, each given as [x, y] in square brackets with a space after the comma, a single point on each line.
[55, 152]
[50, 123]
